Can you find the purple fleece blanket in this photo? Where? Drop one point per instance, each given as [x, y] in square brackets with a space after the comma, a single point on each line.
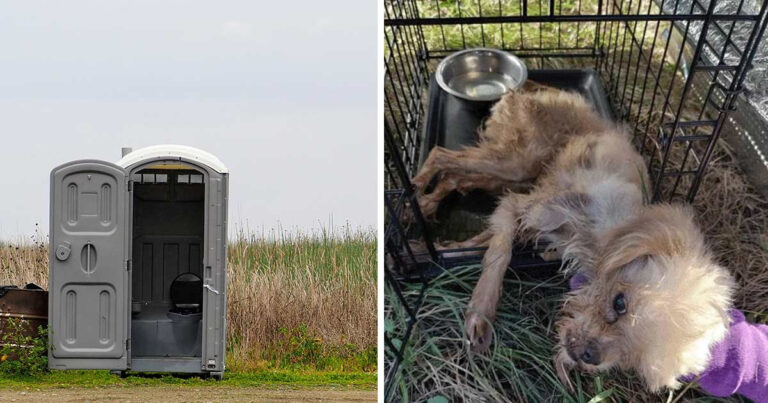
[739, 363]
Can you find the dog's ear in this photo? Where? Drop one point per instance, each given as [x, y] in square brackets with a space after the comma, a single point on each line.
[659, 230]
[567, 208]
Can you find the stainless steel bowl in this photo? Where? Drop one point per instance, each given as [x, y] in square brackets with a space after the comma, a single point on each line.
[480, 74]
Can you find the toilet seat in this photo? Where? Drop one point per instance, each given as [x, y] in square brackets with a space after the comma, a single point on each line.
[187, 294]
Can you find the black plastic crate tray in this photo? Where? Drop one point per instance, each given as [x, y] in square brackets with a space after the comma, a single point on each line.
[453, 123]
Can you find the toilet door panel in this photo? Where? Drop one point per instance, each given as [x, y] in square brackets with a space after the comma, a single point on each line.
[89, 266]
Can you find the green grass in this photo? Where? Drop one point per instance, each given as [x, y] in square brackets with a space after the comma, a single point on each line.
[438, 363]
[514, 36]
[298, 350]
[265, 379]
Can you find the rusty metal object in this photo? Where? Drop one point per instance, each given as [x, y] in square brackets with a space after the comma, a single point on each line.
[29, 306]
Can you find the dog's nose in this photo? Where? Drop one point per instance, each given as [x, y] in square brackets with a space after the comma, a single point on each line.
[590, 355]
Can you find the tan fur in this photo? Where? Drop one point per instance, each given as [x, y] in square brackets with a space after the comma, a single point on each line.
[677, 301]
[588, 201]
[523, 133]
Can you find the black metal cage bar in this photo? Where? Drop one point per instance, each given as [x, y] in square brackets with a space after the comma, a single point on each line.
[671, 69]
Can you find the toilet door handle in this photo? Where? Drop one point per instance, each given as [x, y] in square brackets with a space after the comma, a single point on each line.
[211, 289]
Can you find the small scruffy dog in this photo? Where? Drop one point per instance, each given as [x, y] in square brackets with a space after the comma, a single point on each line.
[653, 301]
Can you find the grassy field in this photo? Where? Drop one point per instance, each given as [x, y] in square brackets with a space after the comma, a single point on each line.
[438, 363]
[297, 302]
[264, 379]
[518, 368]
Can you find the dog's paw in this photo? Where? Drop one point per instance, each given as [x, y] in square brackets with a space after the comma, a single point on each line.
[421, 181]
[428, 205]
[563, 366]
[479, 330]
[418, 247]
[408, 216]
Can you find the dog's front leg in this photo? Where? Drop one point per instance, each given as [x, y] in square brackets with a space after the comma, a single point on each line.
[482, 307]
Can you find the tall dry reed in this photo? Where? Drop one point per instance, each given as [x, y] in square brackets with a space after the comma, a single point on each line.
[326, 282]
[277, 283]
[24, 261]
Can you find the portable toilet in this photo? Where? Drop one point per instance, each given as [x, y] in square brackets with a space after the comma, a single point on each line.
[138, 263]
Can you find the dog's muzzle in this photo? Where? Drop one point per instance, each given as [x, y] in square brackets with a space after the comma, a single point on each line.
[588, 353]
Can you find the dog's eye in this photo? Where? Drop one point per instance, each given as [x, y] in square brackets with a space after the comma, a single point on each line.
[620, 304]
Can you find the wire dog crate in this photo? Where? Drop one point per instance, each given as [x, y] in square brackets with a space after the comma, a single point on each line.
[673, 70]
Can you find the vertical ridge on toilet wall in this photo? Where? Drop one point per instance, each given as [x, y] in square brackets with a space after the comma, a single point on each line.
[71, 207]
[195, 260]
[104, 317]
[70, 317]
[105, 207]
[147, 284]
[170, 267]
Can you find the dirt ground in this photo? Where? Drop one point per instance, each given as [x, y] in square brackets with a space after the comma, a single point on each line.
[186, 394]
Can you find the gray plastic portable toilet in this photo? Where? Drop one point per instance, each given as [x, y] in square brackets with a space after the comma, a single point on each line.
[138, 262]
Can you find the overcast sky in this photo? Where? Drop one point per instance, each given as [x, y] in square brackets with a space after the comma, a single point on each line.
[283, 92]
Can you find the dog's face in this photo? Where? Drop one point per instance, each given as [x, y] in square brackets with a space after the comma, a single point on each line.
[655, 305]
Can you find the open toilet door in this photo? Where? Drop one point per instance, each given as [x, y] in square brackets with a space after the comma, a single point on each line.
[89, 321]
[214, 280]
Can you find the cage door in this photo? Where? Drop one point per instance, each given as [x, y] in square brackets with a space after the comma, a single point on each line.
[89, 268]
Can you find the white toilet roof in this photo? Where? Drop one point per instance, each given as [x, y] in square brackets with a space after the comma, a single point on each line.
[173, 151]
